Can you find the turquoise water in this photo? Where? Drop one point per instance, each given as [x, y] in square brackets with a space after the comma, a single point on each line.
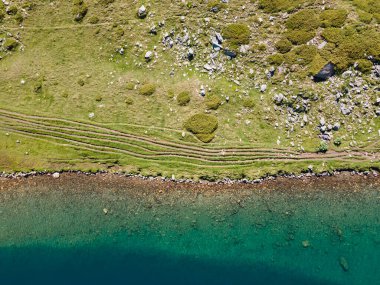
[101, 230]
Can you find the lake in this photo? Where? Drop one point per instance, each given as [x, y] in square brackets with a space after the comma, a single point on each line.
[108, 229]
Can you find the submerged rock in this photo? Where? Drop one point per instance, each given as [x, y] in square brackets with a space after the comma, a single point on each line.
[344, 264]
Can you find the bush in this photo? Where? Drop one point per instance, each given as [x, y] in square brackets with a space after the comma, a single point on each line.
[272, 6]
[237, 34]
[333, 18]
[302, 55]
[183, 98]
[365, 17]
[202, 126]
[299, 37]
[147, 89]
[333, 35]
[323, 147]
[284, 46]
[213, 102]
[276, 59]
[304, 20]
[364, 66]
[10, 44]
[338, 141]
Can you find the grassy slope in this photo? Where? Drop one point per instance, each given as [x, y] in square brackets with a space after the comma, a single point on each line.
[59, 52]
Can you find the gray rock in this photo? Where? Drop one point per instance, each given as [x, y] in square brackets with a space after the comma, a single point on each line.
[263, 88]
[325, 73]
[148, 55]
[142, 12]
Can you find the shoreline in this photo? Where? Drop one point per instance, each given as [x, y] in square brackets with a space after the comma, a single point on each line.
[224, 181]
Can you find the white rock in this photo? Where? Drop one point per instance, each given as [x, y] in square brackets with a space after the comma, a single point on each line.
[56, 175]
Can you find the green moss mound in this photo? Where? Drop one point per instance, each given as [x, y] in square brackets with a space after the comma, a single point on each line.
[284, 45]
[147, 89]
[236, 34]
[364, 65]
[272, 6]
[299, 37]
[307, 20]
[213, 102]
[333, 35]
[333, 18]
[203, 126]
[183, 98]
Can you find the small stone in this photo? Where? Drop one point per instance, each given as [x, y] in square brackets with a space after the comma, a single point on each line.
[91, 115]
[56, 175]
[344, 264]
[306, 243]
[263, 88]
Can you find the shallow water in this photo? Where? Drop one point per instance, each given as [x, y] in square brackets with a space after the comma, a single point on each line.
[309, 232]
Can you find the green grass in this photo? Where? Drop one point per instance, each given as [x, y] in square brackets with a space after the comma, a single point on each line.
[71, 69]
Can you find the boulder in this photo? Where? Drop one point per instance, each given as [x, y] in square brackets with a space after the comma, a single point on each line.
[231, 54]
[148, 55]
[142, 12]
[325, 73]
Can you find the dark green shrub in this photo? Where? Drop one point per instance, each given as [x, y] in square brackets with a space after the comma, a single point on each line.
[272, 6]
[276, 59]
[323, 147]
[365, 17]
[333, 35]
[147, 89]
[338, 141]
[213, 102]
[333, 18]
[304, 20]
[302, 55]
[202, 126]
[299, 37]
[364, 65]
[183, 98]
[284, 46]
[237, 34]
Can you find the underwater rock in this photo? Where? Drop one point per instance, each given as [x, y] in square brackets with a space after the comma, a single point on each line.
[343, 263]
